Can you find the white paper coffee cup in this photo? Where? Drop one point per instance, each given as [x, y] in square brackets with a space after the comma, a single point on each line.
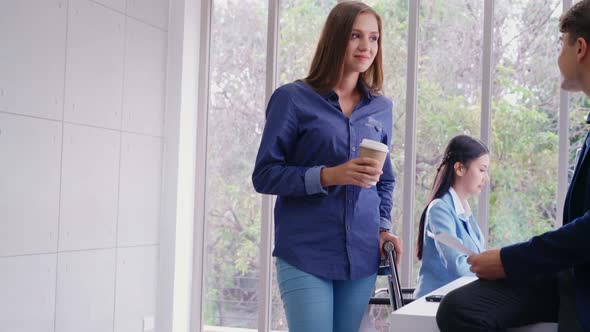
[376, 150]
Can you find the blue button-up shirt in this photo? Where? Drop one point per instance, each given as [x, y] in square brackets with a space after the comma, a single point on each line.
[330, 232]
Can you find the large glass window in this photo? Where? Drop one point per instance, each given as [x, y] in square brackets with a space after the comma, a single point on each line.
[300, 25]
[449, 87]
[524, 128]
[525, 117]
[235, 122]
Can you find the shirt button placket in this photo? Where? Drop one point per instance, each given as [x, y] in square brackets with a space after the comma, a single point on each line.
[349, 207]
[351, 139]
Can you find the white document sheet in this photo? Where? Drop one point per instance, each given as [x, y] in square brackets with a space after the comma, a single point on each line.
[451, 241]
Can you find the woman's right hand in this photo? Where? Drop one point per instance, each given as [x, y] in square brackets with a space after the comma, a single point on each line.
[352, 172]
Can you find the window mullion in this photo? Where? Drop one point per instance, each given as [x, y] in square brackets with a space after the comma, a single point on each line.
[563, 150]
[410, 145]
[486, 107]
[266, 232]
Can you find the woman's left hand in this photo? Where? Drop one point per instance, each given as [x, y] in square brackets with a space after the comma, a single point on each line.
[397, 244]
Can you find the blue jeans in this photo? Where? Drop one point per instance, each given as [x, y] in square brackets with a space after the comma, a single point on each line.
[316, 304]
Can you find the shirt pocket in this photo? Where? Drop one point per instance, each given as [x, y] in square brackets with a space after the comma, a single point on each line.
[371, 131]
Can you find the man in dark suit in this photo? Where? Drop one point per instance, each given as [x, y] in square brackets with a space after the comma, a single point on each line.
[548, 277]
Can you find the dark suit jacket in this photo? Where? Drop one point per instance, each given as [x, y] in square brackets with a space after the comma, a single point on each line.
[563, 248]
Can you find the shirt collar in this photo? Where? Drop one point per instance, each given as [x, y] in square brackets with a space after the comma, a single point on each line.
[360, 85]
[364, 89]
[459, 209]
[329, 95]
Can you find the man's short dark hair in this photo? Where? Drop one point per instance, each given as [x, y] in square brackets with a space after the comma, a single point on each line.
[576, 22]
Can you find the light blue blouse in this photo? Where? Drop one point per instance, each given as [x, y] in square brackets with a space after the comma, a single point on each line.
[442, 264]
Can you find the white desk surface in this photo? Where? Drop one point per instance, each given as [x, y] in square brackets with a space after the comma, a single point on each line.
[420, 315]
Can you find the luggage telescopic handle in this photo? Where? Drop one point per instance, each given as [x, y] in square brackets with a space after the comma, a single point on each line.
[388, 246]
[393, 282]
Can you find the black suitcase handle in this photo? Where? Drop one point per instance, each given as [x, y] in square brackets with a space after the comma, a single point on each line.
[395, 290]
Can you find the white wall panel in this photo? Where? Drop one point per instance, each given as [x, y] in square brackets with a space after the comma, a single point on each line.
[30, 151]
[145, 67]
[82, 93]
[32, 52]
[154, 12]
[89, 188]
[118, 5]
[94, 70]
[137, 270]
[28, 293]
[139, 202]
[85, 291]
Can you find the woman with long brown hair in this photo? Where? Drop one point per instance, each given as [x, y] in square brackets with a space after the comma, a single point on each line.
[333, 207]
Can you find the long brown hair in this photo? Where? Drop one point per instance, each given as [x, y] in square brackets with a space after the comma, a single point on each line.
[328, 62]
[463, 149]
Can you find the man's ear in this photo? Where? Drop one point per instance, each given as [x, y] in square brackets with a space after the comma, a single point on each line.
[581, 49]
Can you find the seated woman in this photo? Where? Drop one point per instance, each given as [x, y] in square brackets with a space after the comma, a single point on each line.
[462, 173]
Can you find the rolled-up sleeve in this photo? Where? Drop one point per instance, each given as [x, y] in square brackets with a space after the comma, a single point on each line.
[273, 174]
[312, 181]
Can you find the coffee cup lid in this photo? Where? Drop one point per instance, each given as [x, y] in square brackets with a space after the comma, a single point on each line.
[371, 144]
